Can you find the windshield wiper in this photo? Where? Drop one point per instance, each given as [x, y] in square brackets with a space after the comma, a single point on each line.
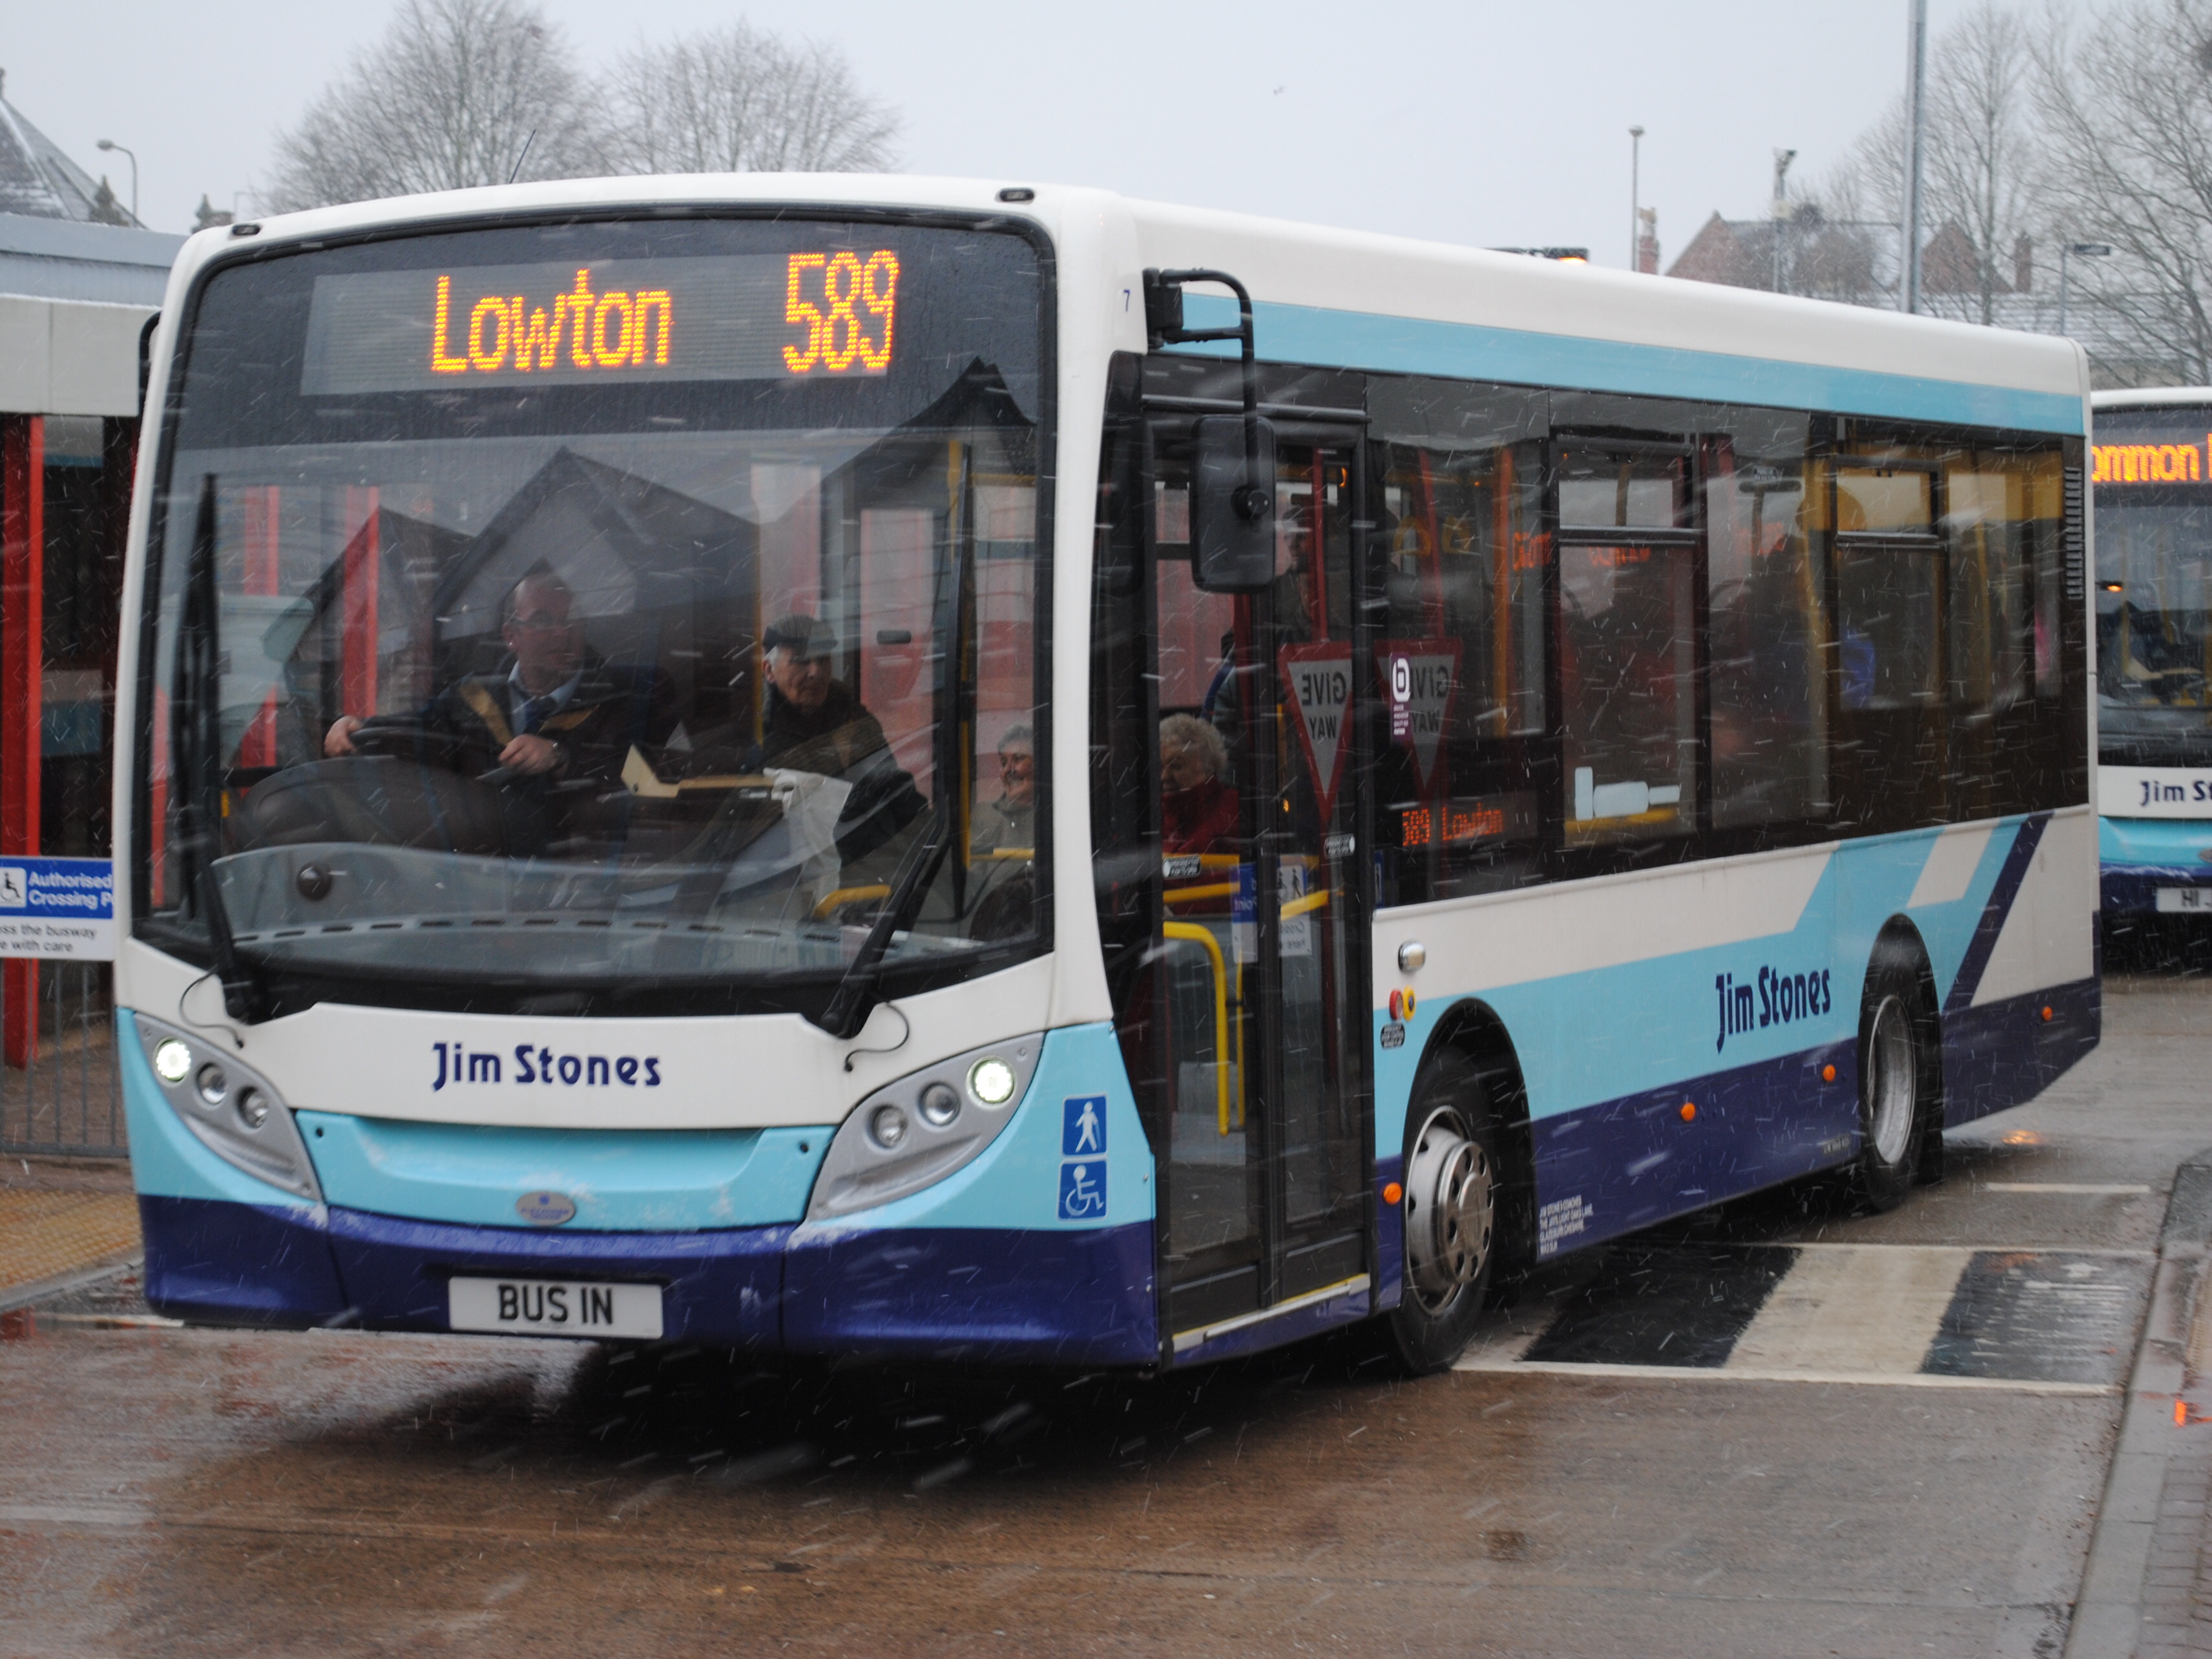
[854, 999]
[199, 756]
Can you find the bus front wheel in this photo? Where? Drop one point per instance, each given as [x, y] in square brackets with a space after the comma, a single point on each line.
[1895, 1096]
[1451, 1214]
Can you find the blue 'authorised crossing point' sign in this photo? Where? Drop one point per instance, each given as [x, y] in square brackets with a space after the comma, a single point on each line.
[57, 908]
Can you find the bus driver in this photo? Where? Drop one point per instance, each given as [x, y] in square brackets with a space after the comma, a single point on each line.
[555, 709]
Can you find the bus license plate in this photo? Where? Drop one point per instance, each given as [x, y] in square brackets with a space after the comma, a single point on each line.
[554, 1307]
[2192, 901]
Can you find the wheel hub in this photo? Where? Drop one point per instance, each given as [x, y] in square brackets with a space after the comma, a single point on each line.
[1890, 1081]
[1450, 1210]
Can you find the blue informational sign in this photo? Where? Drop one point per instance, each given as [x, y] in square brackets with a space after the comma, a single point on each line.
[1082, 1190]
[1083, 1126]
[57, 908]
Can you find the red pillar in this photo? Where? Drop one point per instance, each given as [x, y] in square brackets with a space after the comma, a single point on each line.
[357, 675]
[22, 665]
[262, 504]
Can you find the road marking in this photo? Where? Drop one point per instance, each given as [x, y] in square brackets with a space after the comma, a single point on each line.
[113, 1321]
[1854, 1311]
[2097, 1189]
[1474, 1362]
[2055, 1322]
[1977, 1249]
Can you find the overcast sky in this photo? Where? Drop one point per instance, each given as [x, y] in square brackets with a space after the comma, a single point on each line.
[1476, 121]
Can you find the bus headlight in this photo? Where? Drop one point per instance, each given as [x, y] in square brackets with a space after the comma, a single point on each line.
[940, 1103]
[991, 1081]
[919, 1130]
[230, 1108]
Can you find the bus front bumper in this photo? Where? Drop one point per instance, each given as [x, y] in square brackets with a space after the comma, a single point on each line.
[985, 1294]
[2152, 864]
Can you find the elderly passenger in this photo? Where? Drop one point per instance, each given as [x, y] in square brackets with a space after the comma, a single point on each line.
[1198, 812]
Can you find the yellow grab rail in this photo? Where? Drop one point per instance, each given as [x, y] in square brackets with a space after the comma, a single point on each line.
[1217, 889]
[1313, 901]
[1191, 933]
[848, 896]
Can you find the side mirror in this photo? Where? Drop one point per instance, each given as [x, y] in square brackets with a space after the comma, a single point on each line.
[1232, 504]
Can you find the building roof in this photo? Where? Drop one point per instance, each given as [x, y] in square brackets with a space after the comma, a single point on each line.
[63, 234]
[39, 181]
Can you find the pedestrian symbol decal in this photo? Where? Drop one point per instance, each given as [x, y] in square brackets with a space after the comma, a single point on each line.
[1083, 1126]
[1082, 1190]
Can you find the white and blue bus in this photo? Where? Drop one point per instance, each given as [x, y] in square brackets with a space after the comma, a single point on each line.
[2151, 474]
[920, 769]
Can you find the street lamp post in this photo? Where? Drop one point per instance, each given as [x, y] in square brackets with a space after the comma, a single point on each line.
[1915, 133]
[1635, 199]
[109, 143]
[2080, 251]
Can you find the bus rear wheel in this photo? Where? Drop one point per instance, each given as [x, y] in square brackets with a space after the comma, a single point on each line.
[1451, 1214]
[1895, 1098]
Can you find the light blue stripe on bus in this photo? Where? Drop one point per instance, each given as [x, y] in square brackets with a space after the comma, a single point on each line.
[619, 1180]
[1412, 345]
[1601, 1035]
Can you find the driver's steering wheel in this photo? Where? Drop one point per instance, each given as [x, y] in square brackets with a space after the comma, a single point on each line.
[399, 738]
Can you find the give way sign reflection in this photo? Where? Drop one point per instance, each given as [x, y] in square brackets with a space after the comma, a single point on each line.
[1318, 680]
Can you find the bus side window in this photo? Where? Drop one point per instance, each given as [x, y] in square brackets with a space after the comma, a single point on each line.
[2002, 527]
[1465, 558]
[1764, 609]
[1627, 641]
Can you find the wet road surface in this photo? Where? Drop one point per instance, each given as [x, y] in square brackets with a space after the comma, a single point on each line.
[1786, 1430]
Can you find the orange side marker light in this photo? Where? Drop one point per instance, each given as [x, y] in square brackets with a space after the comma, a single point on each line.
[2046, 1015]
[1827, 1074]
[1392, 1193]
[2180, 1413]
[1689, 1111]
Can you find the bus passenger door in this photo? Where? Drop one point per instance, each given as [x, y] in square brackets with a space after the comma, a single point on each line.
[1262, 950]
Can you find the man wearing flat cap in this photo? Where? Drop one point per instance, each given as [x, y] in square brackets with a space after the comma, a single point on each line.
[814, 722]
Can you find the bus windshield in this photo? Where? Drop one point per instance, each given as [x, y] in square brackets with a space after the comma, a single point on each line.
[2153, 474]
[619, 606]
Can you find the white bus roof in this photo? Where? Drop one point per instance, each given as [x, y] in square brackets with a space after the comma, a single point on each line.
[1357, 300]
[2156, 397]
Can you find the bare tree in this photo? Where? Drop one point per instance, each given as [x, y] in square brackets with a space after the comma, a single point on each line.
[1981, 160]
[458, 93]
[2128, 110]
[741, 99]
[1980, 177]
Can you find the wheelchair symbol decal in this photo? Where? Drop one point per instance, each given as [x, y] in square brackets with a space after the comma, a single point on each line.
[1082, 1190]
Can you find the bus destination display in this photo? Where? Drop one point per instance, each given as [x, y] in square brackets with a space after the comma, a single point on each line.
[2159, 460]
[748, 317]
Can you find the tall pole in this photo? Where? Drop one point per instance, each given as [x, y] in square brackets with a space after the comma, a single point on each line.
[1783, 158]
[1635, 199]
[109, 143]
[1916, 133]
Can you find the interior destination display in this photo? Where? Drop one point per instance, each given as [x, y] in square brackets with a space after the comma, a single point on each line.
[748, 317]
